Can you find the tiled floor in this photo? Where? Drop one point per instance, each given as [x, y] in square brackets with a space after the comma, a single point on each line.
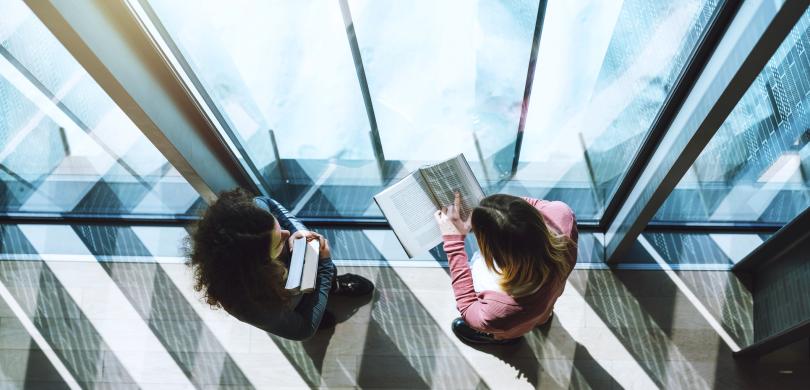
[117, 325]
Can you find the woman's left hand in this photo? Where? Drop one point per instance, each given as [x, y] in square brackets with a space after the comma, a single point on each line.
[449, 219]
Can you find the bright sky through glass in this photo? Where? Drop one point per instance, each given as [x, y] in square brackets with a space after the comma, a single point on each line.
[280, 65]
[442, 72]
[603, 73]
[444, 77]
[65, 147]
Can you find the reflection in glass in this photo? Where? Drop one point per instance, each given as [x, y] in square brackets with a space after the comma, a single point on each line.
[757, 166]
[603, 73]
[447, 77]
[443, 78]
[65, 147]
[281, 74]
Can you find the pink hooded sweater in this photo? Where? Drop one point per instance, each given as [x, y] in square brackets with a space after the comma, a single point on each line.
[497, 312]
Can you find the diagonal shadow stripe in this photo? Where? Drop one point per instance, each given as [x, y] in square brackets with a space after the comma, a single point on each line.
[643, 329]
[13, 241]
[388, 366]
[180, 330]
[155, 297]
[687, 248]
[552, 358]
[398, 331]
[418, 337]
[22, 363]
[63, 325]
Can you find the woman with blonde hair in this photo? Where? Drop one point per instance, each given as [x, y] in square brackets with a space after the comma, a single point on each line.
[528, 247]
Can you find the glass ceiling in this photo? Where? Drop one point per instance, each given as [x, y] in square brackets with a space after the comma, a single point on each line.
[65, 147]
[442, 78]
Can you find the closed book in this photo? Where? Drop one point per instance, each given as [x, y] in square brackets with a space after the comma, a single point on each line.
[310, 266]
[296, 265]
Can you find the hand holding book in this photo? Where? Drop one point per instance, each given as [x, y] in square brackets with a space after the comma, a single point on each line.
[449, 218]
[308, 250]
[323, 242]
[411, 204]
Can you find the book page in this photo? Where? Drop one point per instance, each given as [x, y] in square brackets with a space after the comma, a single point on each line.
[445, 178]
[409, 210]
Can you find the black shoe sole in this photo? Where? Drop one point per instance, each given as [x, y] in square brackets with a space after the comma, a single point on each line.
[481, 342]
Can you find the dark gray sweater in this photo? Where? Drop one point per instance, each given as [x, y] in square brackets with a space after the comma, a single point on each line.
[301, 322]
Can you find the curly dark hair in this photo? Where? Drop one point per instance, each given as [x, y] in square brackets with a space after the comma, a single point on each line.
[228, 251]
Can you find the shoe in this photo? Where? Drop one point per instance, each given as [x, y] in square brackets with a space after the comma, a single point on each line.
[472, 336]
[351, 285]
[328, 321]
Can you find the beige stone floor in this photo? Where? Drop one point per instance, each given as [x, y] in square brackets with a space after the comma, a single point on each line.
[141, 325]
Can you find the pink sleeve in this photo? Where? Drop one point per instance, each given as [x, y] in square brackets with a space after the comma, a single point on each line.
[471, 308]
[534, 202]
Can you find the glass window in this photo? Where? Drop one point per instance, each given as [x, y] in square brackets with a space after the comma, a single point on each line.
[65, 147]
[604, 71]
[443, 77]
[282, 75]
[756, 169]
[447, 77]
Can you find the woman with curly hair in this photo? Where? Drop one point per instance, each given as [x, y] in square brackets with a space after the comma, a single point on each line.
[240, 252]
[528, 247]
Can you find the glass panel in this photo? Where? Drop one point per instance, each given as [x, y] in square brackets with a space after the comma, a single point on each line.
[447, 77]
[283, 66]
[604, 70]
[65, 147]
[757, 167]
[443, 78]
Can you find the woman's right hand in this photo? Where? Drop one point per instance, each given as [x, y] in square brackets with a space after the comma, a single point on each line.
[324, 250]
[449, 219]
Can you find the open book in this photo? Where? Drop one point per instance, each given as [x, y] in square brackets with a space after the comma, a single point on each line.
[409, 204]
[303, 266]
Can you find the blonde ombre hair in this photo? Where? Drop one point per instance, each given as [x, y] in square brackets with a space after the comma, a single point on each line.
[512, 234]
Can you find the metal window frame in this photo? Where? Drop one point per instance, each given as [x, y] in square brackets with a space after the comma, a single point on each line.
[160, 32]
[360, 69]
[109, 41]
[752, 37]
[527, 90]
[672, 104]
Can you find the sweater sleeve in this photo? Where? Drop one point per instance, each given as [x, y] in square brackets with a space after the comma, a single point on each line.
[471, 308]
[284, 217]
[303, 322]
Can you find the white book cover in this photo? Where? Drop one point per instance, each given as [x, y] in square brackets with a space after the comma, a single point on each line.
[296, 265]
[310, 266]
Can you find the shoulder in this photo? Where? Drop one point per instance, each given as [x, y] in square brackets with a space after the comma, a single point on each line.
[558, 208]
[263, 202]
[559, 214]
